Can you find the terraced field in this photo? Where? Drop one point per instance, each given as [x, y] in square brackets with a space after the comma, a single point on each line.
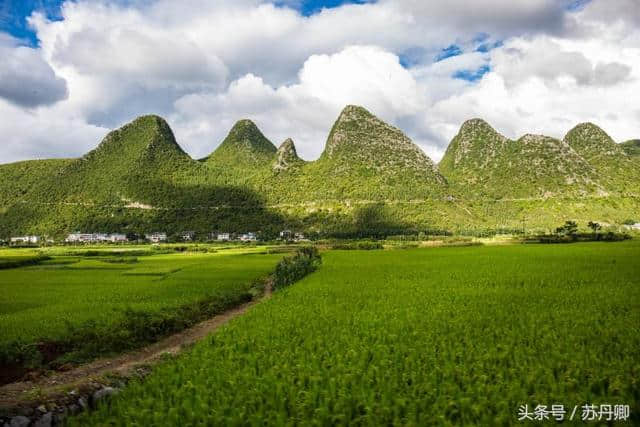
[438, 336]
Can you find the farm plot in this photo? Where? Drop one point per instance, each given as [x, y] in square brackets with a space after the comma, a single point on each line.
[439, 336]
[95, 305]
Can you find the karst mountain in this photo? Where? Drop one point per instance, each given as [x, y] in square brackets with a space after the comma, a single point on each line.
[138, 179]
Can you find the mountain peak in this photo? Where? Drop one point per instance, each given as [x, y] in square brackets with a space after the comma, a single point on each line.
[475, 124]
[477, 130]
[244, 144]
[351, 110]
[146, 134]
[590, 140]
[477, 140]
[286, 156]
[360, 141]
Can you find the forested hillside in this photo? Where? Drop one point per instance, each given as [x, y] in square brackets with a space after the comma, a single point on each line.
[370, 179]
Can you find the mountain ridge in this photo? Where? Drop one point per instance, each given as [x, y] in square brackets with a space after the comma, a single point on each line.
[366, 164]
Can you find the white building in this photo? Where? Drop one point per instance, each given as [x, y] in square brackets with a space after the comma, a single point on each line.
[25, 239]
[95, 238]
[188, 236]
[290, 235]
[223, 237]
[286, 234]
[118, 238]
[156, 237]
[248, 237]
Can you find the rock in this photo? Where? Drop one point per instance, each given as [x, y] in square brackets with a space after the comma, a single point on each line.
[42, 409]
[19, 421]
[45, 421]
[103, 393]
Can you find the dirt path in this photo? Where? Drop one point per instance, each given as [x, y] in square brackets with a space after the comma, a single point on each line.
[56, 387]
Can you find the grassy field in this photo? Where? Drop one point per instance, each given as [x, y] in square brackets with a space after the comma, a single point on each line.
[436, 336]
[100, 291]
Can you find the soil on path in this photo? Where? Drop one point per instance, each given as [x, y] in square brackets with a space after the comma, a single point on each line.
[57, 386]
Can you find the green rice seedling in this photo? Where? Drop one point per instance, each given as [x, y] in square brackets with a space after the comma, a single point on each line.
[430, 336]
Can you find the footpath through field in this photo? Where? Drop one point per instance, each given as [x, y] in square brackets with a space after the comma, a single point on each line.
[57, 387]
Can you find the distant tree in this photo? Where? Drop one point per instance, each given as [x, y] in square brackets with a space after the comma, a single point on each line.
[570, 228]
[594, 226]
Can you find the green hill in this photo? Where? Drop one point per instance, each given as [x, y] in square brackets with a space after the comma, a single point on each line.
[286, 157]
[370, 179]
[364, 159]
[137, 179]
[124, 167]
[481, 163]
[17, 180]
[618, 172]
[631, 147]
[245, 145]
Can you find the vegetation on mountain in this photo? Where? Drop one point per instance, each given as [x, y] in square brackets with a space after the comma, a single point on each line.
[617, 171]
[631, 147]
[481, 163]
[244, 146]
[287, 157]
[18, 179]
[371, 180]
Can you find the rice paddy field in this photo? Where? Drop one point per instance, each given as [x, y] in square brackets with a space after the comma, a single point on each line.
[435, 336]
[79, 291]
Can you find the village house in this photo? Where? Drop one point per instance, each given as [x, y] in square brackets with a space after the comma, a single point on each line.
[156, 237]
[223, 237]
[25, 239]
[286, 234]
[188, 236]
[95, 238]
[248, 237]
[291, 236]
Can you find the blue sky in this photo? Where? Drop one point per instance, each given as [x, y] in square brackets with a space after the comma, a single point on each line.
[14, 13]
[310, 7]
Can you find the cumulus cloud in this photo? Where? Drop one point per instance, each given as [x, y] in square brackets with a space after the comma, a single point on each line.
[205, 64]
[547, 85]
[26, 79]
[41, 134]
[305, 110]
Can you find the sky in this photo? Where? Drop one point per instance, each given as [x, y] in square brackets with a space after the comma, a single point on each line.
[71, 71]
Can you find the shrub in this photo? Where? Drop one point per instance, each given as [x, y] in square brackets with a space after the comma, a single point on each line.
[364, 245]
[293, 268]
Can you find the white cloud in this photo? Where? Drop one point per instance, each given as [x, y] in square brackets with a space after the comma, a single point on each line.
[305, 110]
[41, 134]
[548, 85]
[205, 64]
[26, 79]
